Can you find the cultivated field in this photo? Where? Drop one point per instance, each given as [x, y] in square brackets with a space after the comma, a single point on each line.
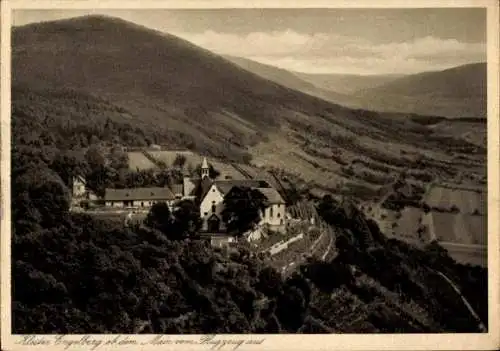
[283, 154]
[457, 228]
[137, 160]
[477, 255]
[466, 201]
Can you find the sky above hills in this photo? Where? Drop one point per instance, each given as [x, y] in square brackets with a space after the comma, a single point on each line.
[354, 41]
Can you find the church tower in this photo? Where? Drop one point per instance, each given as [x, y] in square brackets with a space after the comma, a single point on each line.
[205, 170]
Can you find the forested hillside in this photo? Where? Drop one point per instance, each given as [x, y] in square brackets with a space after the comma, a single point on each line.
[158, 81]
[76, 274]
[73, 119]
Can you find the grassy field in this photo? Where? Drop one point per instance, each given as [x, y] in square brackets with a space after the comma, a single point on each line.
[466, 201]
[408, 224]
[477, 255]
[458, 228]
[137, 160]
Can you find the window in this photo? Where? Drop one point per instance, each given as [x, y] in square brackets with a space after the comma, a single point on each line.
[271, 212]
[213, 208]
[142, 204]
[205, 213]
[278, 215]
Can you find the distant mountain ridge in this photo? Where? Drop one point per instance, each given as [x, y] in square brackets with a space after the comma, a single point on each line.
[455, 92]
[448, 82]
[292, 80]
[347, 83]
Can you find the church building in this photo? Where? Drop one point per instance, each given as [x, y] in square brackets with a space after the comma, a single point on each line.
[214, 192]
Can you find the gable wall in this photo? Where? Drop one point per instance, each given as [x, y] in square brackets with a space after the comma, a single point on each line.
[212, 196]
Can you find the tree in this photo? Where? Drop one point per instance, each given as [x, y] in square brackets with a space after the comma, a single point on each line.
[291, 308]
[118, 158]
[69, 164]
[99, 178]
[332, 212]
[292, 194]
[159, 217]
[327, 205]
[180, 161]
[269, 282]
[187, 219]
[41, 194]
[94, 157]
[242, 208]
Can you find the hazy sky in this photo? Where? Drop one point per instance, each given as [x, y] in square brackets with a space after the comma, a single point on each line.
[360, 41]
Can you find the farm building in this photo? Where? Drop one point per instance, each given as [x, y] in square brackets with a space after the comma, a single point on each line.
[138, 197]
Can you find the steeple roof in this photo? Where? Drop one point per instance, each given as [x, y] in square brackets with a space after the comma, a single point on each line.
[204, 164]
